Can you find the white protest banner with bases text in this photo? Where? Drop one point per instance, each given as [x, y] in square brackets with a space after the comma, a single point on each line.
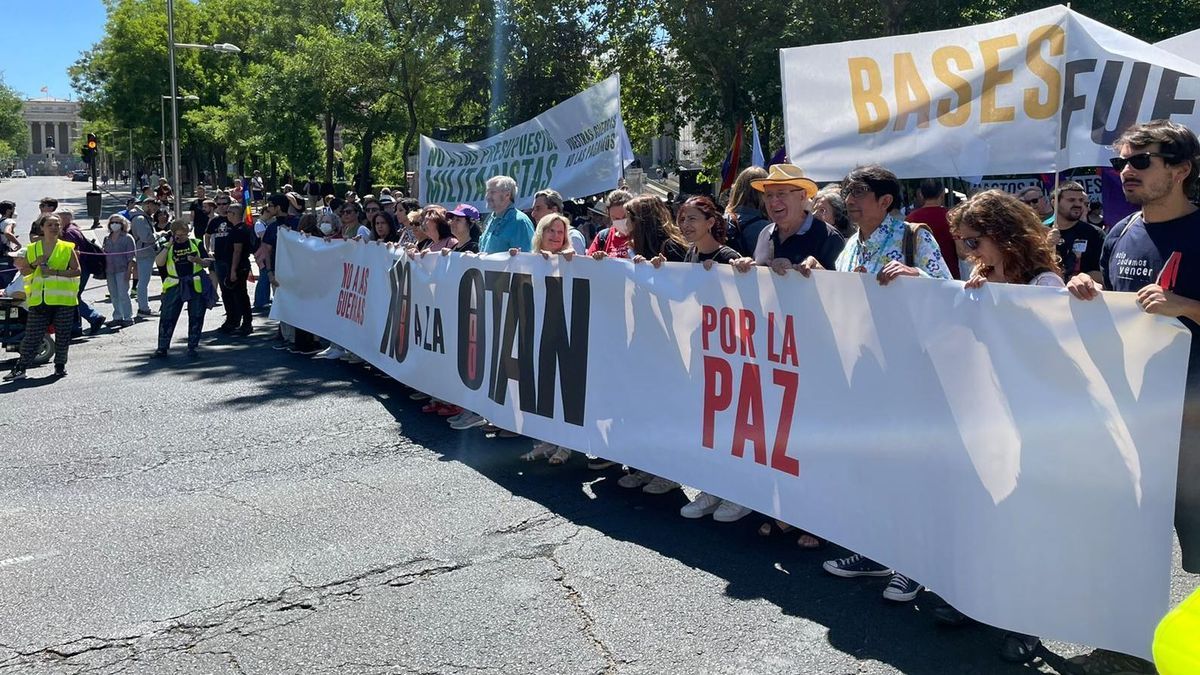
[1011, 448]
[1044, 90]
[578, 148]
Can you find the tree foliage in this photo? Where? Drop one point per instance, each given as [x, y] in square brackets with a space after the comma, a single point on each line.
[14, 132]
[383, 72]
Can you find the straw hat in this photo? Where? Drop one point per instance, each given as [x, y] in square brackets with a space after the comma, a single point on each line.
[785, 174]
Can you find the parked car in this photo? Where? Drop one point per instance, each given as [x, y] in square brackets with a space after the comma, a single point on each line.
[18, 173]
[79, 176]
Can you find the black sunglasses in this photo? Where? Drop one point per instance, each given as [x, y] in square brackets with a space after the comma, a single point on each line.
[972, 243]
[1140, 161]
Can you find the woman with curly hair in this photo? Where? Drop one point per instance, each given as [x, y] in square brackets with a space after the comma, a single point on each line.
[1007, 242]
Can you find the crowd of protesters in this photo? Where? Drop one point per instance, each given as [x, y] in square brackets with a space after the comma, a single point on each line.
[775, 218]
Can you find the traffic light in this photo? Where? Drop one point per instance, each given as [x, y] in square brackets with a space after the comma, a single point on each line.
[89, 149]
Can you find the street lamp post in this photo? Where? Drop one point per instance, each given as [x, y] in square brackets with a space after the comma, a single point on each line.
[224, 48]
[162, 144]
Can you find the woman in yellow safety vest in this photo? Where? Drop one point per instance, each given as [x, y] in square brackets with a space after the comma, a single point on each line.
[184, 259]
[52, 295]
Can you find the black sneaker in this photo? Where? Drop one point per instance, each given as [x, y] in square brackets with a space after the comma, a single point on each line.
[96, 325]
[901, 589]
[158, 354]
[948, 616]
[226, 328]
[60, 370]
[243, 331]
[17, 373]
[856, 566]
[191, 352]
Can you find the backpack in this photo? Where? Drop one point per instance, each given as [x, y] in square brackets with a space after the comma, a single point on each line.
[91, 259]
[909, 246]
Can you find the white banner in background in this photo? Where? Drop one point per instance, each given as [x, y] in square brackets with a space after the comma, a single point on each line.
[578, 148]
[1010, 448]
[979, 100]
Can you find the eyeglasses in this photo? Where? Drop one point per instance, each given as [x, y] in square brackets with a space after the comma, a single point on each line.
[856, 191]
[1140, 161]
[779, 194]
[1032, 200]
[972, 243]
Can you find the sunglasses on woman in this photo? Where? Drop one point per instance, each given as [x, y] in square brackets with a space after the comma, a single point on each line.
[1140, 161]
[972, 243]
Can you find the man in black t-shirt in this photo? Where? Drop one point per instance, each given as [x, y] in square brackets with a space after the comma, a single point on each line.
[1156, 254]
[199, 215]
[232, 243]
[1078, 242]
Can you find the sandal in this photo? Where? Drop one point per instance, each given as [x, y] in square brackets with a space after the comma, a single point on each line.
[809, 542]
[560, 456]
[539, 451]
[768, 528]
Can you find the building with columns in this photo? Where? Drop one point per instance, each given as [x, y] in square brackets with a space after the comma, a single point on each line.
[54, 128]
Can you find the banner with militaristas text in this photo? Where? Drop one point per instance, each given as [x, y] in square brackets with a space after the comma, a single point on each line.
[578, 147]
[1011, 448]
[1044, 90]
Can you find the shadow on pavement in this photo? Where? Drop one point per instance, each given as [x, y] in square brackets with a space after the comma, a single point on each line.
[860, 622]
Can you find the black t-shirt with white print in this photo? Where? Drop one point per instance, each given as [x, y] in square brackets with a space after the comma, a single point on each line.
[1137, 254]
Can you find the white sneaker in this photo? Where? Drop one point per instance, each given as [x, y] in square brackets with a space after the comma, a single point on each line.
[468, 420]
[636, 479]
[701, 506]
[729, 512]
[660, 486]
[331, 352]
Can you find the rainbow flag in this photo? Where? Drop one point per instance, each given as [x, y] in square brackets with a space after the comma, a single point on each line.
[247, 196]
[729, 167]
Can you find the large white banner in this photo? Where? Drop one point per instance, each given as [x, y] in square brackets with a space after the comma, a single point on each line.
[1044, 90]
[1010, 448]
[578, 148]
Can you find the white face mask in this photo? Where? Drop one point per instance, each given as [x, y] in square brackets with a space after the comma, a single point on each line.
[326, 228]
[114, 227]
[621, 225]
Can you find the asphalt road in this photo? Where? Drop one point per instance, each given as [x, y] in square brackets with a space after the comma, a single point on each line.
[254, 511]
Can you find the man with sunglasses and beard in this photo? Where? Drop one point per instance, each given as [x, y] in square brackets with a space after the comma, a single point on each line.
[1078, 243]
[1156, 254]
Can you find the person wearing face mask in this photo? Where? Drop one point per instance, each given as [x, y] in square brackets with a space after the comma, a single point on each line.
[119, 265]
[185, 260]
[613, 241]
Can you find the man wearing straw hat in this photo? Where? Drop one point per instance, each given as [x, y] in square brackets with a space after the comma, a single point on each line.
[794, 234]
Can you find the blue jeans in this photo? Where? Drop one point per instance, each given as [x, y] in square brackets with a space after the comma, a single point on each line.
[86, 313]
[262, 290]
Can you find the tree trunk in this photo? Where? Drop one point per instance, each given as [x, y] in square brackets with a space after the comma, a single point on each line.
[364, 166]
[330, 127]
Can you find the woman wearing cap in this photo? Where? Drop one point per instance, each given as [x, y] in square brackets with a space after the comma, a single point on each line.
[118, 261]
[464, 225]
[1006, 241]
[794, 233]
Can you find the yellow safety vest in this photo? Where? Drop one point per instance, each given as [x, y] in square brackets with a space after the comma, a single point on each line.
[55, 290]
[1177, 640]
[172, 279]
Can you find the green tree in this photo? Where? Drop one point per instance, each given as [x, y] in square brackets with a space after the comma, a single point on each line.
[14, 132]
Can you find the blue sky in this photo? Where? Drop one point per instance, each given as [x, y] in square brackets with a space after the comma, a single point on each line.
[68, 26]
